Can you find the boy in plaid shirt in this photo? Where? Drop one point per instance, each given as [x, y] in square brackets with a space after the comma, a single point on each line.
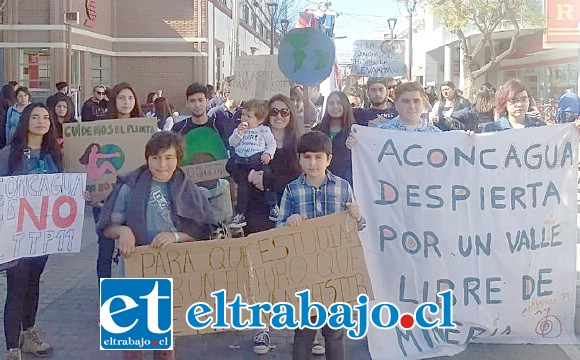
[317, 192]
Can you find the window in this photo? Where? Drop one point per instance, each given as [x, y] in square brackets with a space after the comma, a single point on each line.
[246, 13]
[100, 70]
[254, 19]
[35, 72]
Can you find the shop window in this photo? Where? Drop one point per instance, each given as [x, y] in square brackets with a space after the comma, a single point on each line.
[35, 70]
[100, 70]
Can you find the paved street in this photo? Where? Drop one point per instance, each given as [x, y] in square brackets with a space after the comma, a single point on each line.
[68, 313]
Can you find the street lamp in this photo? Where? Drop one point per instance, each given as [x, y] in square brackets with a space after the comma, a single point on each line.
[272, 6]
[284, 23]
[392, 22]
[411, 4]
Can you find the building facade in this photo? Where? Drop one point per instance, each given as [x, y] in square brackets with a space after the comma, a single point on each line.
[546, 64]
[154, 45]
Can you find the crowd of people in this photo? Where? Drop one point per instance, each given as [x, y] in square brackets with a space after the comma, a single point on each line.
[291, 161]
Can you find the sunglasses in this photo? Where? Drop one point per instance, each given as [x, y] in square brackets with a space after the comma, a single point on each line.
[101, 92]
[284, 112]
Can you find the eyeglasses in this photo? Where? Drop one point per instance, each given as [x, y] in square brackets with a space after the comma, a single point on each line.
[391, 87]
[101, 92]
[519, 101]
[284, 112]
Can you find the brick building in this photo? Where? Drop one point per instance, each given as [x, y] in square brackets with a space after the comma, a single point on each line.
[152, 44]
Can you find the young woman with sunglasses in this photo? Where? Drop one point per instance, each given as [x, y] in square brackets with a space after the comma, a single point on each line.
[276, 175]
[281, 170]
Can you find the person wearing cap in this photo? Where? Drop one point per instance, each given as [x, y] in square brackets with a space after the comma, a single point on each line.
[568, 106]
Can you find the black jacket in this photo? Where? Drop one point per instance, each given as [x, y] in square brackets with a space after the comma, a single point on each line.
[92, 111]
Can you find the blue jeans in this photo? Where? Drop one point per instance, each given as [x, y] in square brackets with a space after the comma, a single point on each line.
[106, 250]
[334, 343]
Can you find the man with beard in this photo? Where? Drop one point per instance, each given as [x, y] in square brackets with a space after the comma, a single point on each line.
[381, 94]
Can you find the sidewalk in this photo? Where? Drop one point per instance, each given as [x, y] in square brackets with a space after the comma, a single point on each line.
[68, 313]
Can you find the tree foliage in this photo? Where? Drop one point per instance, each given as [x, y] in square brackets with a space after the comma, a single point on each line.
[485, 16]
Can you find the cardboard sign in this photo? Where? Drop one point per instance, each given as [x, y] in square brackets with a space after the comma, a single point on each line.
[41, 214]
[206, 171]
[378, 58]
[491, 216]
[198, 269]
[103, 149]
[258, 77]
[323, 255]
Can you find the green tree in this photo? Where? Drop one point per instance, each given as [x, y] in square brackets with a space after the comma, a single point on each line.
[485, 16]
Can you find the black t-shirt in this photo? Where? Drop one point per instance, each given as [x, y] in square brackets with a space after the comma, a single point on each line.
[363, 116]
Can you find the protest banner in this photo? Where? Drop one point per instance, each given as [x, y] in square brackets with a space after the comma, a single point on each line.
[378, 58]
[103, 149]
[41, 214]
[258, 77]
[206, 171]
[492, 217]
[323, 255]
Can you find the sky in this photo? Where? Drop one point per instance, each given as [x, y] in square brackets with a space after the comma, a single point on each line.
[362, 19]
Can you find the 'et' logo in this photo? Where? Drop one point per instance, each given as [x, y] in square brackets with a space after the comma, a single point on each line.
[136, 314]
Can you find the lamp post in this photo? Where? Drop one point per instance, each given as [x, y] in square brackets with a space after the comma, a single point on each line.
[272, 6]
[284, 23]
[392, 22]
[411, 4]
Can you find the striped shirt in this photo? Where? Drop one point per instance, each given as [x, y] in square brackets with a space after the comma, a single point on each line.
[310, 202]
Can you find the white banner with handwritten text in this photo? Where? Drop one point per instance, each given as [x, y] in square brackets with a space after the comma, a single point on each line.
[41, 214]
[492, 217]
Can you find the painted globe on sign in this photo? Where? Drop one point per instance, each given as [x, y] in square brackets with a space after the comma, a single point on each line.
[306, 56]
[117, 162]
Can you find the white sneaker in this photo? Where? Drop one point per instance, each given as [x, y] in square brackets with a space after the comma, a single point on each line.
[318, 344]
[262, 342]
